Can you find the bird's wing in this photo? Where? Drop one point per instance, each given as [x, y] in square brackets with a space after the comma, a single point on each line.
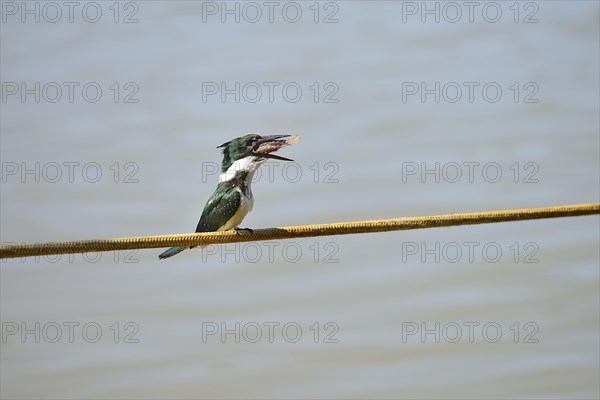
[219, 209]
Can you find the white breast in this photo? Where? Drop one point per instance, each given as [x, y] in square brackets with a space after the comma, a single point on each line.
[246, 204]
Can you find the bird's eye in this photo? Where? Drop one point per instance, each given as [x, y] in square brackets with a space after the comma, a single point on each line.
[251, 141]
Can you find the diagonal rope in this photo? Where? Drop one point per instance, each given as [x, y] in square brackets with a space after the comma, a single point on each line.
[290, 232]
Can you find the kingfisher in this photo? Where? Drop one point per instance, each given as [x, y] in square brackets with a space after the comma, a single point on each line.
[233, 200]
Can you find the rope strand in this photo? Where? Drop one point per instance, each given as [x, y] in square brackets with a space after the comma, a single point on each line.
[290, 232]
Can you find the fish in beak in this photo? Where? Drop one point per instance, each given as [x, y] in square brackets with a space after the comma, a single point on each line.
[267, 145]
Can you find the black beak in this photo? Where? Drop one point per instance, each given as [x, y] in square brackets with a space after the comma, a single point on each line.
[271, 138]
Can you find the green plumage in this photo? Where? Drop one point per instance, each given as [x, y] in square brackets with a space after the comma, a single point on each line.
[223, 205]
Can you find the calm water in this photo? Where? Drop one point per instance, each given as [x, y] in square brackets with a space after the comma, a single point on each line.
[398, 117]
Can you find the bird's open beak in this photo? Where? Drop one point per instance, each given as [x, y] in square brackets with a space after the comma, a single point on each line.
[270, 144]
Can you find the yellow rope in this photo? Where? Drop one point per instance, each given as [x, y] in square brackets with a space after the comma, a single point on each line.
[290, 232]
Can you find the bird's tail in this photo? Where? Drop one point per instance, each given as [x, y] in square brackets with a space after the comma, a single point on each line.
[171, 252]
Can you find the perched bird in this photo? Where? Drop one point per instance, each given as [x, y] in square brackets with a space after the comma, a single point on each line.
[233, 200]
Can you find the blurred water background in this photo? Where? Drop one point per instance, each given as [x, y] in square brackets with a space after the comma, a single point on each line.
[495, 311]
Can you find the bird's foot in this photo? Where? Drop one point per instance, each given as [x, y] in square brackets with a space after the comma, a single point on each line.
[248, 230]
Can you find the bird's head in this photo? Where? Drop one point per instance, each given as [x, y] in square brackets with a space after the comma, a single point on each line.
[253, 145]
